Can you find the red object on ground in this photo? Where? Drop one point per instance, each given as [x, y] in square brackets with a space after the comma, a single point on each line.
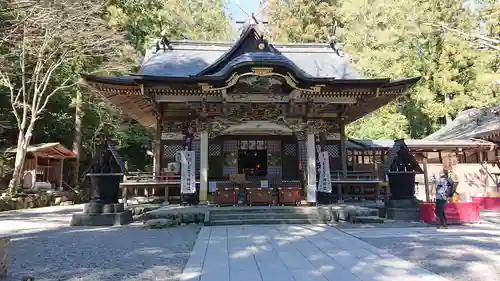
[461, 212]
[487, 203]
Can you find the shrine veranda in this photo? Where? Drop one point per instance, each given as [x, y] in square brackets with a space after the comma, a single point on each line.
[252, 108]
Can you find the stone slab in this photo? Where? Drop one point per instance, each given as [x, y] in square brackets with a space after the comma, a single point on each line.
[111, 219]
[347, 212]
[290, 253]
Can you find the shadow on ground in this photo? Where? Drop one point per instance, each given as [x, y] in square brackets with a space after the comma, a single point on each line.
[462, 253]
[110, 253]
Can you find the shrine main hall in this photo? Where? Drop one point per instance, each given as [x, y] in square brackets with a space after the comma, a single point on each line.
[255, 108]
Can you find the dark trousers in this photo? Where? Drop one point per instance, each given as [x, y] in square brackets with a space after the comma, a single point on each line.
[440, 203]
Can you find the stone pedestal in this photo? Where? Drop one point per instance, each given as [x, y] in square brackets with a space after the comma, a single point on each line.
[100, 214]
[103, 209]
[404, 209]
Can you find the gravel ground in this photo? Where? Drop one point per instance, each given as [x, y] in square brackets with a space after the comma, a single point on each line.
[462, 253]
[59, 252]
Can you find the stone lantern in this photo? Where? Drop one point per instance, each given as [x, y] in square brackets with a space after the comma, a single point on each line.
[105, 173]
[401, 168]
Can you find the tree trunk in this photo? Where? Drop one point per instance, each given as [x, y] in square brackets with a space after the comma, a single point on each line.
[77, 138]
[23, 141]
[447, 102]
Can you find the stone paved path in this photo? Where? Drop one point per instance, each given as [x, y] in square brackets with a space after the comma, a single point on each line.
[293, 253]
[461, 253]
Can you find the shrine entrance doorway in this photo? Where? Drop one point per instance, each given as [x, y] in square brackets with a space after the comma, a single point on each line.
[252, 163]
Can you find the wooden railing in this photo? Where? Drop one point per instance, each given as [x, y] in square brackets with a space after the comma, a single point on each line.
[354, 175]
[150, 177]
[358, 185]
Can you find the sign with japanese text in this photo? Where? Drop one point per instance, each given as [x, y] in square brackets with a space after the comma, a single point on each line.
[188, 177]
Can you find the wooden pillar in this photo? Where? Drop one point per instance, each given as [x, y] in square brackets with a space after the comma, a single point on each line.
[157, 153]
[426, 178]
[203, 196]
[343, 150]
[343, 158]
[311, 169]
[61, 163]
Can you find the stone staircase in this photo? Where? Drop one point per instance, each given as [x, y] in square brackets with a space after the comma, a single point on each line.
[263, 215]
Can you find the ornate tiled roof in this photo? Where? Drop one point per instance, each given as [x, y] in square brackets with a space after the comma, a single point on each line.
[189, 58]
[471, 123]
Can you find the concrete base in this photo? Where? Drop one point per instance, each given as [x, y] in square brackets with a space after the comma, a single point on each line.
[404, 214]
[100, 214]
[109, 219]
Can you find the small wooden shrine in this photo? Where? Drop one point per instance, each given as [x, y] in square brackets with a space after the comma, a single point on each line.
[253, 107]
[44, 166]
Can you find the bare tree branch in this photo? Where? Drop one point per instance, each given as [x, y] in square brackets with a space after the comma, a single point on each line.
[484, 40]
[43, 48]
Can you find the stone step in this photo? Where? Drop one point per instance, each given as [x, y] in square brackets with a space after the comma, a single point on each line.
[367, 219]
[264, 209]
[260, 215]
[263, 221]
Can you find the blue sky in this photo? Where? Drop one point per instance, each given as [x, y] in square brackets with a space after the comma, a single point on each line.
[248, 5]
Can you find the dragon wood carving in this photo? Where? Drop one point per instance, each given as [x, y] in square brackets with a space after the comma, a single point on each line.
[263, 112]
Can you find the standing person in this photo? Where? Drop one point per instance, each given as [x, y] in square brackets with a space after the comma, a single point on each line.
[444, 187]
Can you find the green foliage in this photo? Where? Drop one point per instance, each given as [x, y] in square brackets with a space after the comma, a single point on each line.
[137, 22]
[302, 20]
[145, 20]
[401, 39]
[394, 123]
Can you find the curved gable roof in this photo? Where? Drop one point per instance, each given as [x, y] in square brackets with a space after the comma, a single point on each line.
[195, 58]
[471, 123]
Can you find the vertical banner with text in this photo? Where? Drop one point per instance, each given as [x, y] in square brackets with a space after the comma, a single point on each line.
[188, 178]
[320, 163]
[325, 180]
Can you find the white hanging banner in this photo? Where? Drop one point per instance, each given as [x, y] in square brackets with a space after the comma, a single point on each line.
[188, 177]
[325, 180]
